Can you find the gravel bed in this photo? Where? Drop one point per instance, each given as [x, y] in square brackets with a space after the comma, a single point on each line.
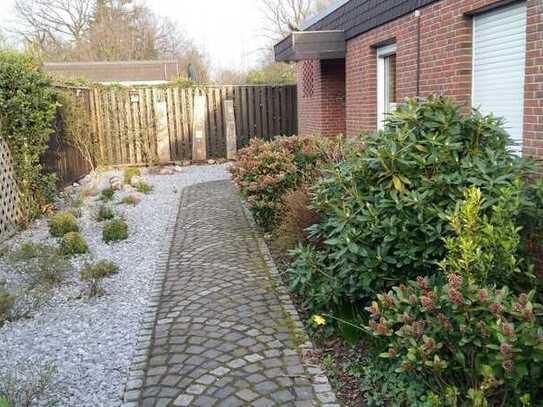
[91, 341]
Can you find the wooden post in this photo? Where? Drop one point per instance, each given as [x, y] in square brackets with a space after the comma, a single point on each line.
[230, 125]
[163, 137]
[199, 143]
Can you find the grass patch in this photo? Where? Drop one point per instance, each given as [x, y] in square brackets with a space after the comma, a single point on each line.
[72, 244]
[104, 213]
[107, 195]
[131, 200]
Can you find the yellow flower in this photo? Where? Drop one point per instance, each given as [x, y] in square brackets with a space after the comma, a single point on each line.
[319, 320]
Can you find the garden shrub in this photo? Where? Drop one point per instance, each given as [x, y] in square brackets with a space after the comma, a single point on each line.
[104, 213]
[62, 223]
[144, 188]
[93, 274]
[73, 243]
[384, 207]
[130, 173]
[115, 231]
[486, 248]
[107, 194]
[468, 344]
[27, 108]
[266, 171]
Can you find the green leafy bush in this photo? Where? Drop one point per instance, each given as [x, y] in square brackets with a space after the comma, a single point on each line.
[468, 344]
[486, 248]
[129, 173]
[115, 231]
[27, 108]
[107, 194]
[266, 171]
[144, 188]
[93, 274]
[104, 213]
[384, 208]
[73, 243]
[62, 223]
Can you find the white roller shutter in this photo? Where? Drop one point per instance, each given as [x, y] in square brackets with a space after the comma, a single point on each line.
[499, 60]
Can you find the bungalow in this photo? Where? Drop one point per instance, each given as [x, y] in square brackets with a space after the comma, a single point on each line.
[359, 58]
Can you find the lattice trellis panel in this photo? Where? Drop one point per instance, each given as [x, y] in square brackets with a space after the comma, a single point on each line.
[9, 194]
[308, 78]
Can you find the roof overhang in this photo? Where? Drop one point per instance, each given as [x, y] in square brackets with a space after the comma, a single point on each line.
[303, 45]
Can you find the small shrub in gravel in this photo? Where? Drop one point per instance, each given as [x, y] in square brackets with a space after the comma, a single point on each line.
[144, 188]
[62, 223]
[129, 173]
[93, 274]
[131, 200]
[115, 231]
[42, 265]
[107, 195]
[25, 384]
[73, 243]
[104, 213]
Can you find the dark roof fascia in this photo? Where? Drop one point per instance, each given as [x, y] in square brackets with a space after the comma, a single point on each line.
[359, 16]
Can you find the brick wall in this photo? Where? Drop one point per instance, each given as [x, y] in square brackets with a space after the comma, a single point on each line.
[446, 64]
[321, 97]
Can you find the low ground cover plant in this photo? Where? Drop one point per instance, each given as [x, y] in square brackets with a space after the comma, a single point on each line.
[143, 187]
[115, 231]
[41, 265]
[7, 300]
[24, 384]
[93, 274]
[72, 244]
[62, 223]
[132, 200]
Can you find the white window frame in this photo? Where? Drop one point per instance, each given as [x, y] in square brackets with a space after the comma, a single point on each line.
[382, 54]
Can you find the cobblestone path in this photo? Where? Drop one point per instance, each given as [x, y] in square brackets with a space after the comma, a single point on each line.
[221, 330]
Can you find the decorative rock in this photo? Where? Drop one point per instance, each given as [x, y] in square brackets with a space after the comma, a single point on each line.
[211, 162]
[116, 183]
[167, 171]
[178, 168]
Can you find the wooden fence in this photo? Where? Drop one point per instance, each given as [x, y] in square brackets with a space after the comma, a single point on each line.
[130, 126]
[9, 194]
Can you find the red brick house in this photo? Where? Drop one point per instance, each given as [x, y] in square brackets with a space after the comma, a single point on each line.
[357, 59]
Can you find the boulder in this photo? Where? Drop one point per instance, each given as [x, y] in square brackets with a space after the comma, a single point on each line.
[116, 183]
[136, 179]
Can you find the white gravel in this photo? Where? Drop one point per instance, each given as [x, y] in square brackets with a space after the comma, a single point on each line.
[91, 341]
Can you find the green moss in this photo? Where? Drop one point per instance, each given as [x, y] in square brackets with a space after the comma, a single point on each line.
[73, 243]
[62, 223]
[115, 231]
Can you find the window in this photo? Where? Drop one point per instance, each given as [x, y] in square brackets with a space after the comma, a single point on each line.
[386, 83]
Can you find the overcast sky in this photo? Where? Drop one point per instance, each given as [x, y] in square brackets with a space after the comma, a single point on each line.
[228, 30]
